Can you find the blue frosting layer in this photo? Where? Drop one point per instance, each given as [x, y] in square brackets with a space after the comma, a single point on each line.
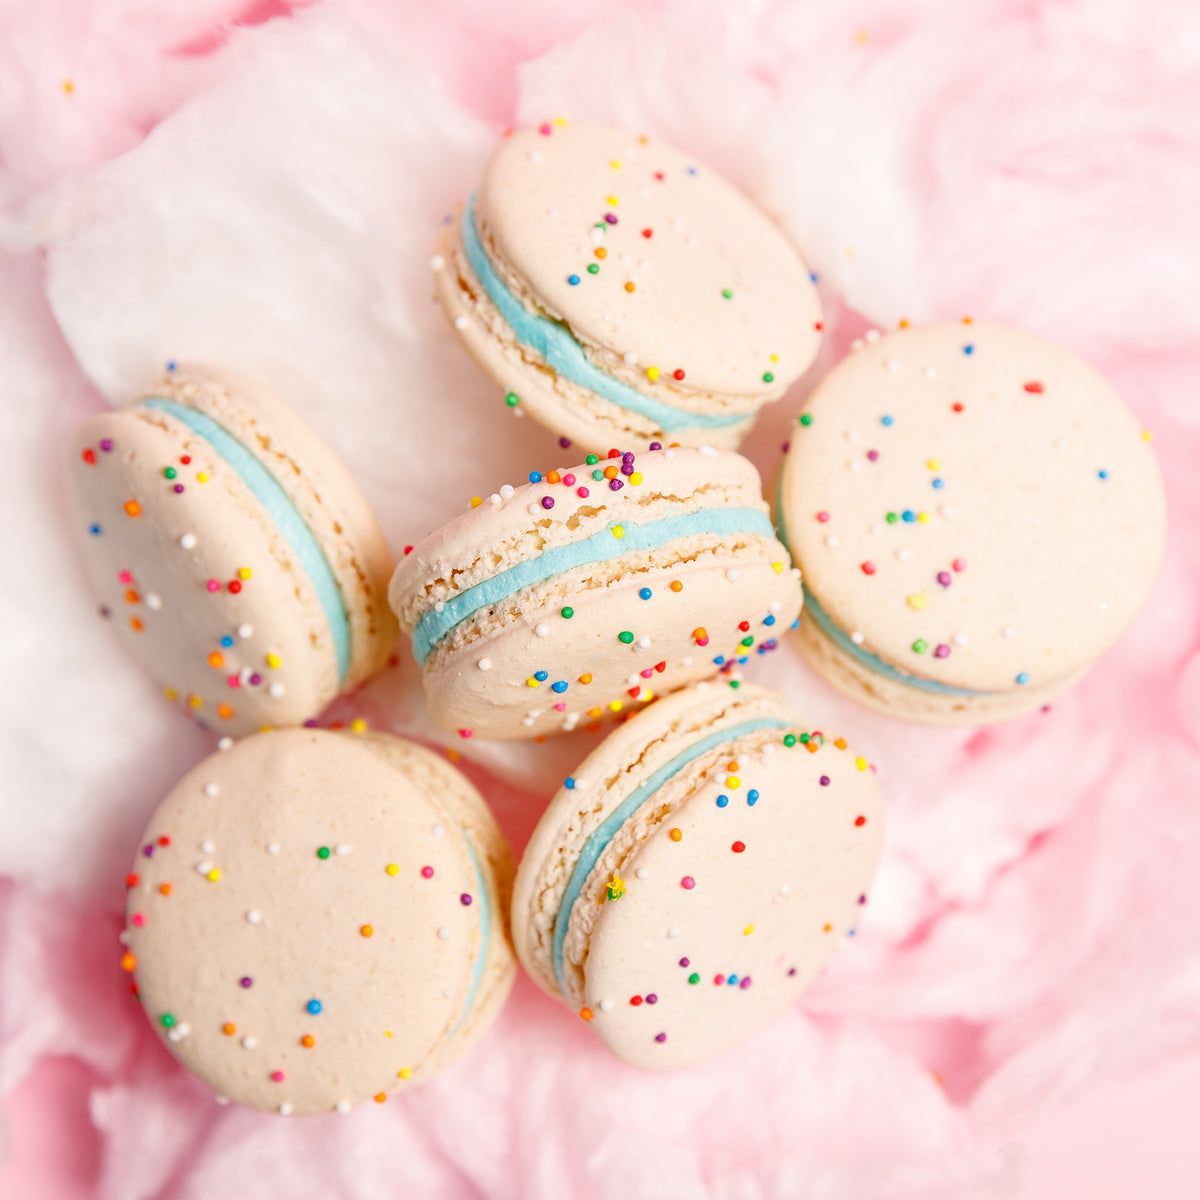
[554, 343]
[595, 846]
[846, 644]
[278, 504]
[598, 547]
[485, 934]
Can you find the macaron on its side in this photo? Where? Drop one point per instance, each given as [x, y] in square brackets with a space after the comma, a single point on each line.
[308, 924]
[617, 289]
[222, 575]
[978, 517]
[696, 872]
[590, 590]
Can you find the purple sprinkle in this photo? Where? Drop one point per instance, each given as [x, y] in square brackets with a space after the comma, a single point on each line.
[745, 982]
[862, 899]
[627, 456]
[245, 981]
[785, 447]
[611, 218]
[255, 679]
[660, 1038]
[656, 445]
[615, 484]
[106, 444]
[627, 468]
[105, 611]
[685, 962]
[652, 998]
[148, 850]
[564, 442]
[311, 723]
[465, 899]
[791, 972]
[547, 501]
[177, 489]
[824, 780]
[943, 577]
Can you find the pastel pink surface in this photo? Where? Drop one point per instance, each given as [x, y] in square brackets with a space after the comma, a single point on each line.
[1019, 1008]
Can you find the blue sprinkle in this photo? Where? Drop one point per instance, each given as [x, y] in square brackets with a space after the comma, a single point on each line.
[796, 623]
[814, 277]
[573, 280]
[938, 483]
[908, 515]
[887, 421]
[541, 676]
[969, 349]
[535, 477]
[769, 620]
[719, 661]
[752, 797]
[94, 529]
[1023, 678]
[226, 641]
[569, 783]
[722, 801]
[1102, 473]
[170, 364]
[559, 686]
[691, 170]
[313, 1006]
[743, 660]
[645, 593]
[851, 932]
[731, 980]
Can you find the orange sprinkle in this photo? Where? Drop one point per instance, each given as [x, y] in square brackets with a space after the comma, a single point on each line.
[731, 766]
[699, 633]
[553, 477]
[676, 586]
[840, 743]
[229, 1029]
[380, 1097]
[676, 835]
[585, 1014]
[216, 659]
[133, 508]
[131, 597]
[827, 927]
[165, 889]
[224, 711]
[308, 1041]
[601, 252]
[630, 286]
[128, 962]
[366, 930]
[135, 623]
[585, 678]
[610, 472]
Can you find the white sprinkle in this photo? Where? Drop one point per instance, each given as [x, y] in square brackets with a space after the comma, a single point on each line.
[220, 1099]
[226, 743]
[832, 540]
[527, 720]
[674, 931]
[708, 451]
[461, 322]
[542, 630]
[254, 917]
[276, 690]
[485, 664]
[207, 846]
[785, 889]
[533, 509]
[857, 638]
[580, 784]
[443, 933]
[872, 335]
[342, 1106]
[245, 631]
[203, 868]
[1008, 631]
[1060, 443]
[535, 156]
[855, 465]
[890, 364]
[929, 372]
[188, 541]
[857, 344]
[876, 529]
[178, 1033]
[211, 789]
[688, 660]
[440, 606]
[641, 873]
[733, 574]
[947, 510]
[285, 1109]
[341, 848]
[629, 358]
[852, 435]
[249, 1042]
[272, 847]
[643, 643]
[1104, 606]
[774, 606]
[904, 554]
[606, 1005]
[439, 830]
[959, 639]
[506, 491]
[154, 601]
[437, 262]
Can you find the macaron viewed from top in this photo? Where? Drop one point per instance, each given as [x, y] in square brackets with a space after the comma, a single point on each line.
[978, 517]
[697, 872]
[231, 551]
[587, 591]
[619, 291]
[315, 919]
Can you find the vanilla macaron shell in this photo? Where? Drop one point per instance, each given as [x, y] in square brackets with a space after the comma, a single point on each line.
[231, 551]
[978, 517]
[316, 918]
[619, 291]
[697, 872]
[592, 589]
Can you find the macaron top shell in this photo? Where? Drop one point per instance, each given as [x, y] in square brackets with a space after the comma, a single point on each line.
[307, 922]
[973, 505]
[697, 872]
[655, 262]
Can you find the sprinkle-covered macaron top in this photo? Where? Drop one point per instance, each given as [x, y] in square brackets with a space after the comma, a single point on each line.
[971, 506]
[660, 267]
[307, 923]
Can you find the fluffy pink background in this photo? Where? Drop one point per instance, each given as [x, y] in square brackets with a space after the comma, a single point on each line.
[250, 184]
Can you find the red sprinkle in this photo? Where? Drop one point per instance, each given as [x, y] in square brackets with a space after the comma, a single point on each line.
[868, 568]
[738, 847]
[1035, 387]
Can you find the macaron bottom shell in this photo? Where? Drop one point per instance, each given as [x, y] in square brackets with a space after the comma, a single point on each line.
[529, 385]
[597, 641]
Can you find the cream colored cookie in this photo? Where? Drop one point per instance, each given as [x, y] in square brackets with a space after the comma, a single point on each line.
[318, 918]
[697, 872]
[619, 291]
[589, 590]
[978, 517]
[231, 551]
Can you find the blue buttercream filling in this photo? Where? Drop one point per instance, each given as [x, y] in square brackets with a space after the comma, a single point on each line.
[846, 644]
[270, 494]
[554, 343]
[598, 547]
[595, 846]
[485, 933]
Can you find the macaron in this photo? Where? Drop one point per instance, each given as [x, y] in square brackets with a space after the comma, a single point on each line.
[697, 872]
[231, 551]
[317, 918]
[587, 591]
[619, 291]
[978, 516]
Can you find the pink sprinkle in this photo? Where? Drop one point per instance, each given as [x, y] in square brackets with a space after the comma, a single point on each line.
[125, 577]
[822, 516]
[277, 1076]
[582, 493]
[560, 707]
[687, 883]
[213, 585]
[646, 673]
[464, 733]
[873, 455]
[944, 577]
[941, 650]
[568, 480]
[744, 982]
[426, 872]
[233, 681]
[959, 564]
[545, 130]
[138, 920]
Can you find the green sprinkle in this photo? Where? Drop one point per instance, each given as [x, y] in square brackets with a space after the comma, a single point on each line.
[789, 739]
[693, 978]
[593, 268]
[768, 377]
[512, 399]
[322, 852]
[735, 684]
[727, 293]
[920, 646]
[597, 474]
[747, 641]
[625, 636]
[167, 1020]
[169, 472]
[805, 418]
[892, 518]
[805, 739]
[568, 613]
[591, 460]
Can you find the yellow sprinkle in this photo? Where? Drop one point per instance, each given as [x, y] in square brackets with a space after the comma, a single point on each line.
[777, 567]
[194, 701]
[827, 927]
[244, 572]
[559, 121]
[917, 600]
[611, 200]
[774, 357]
[1147, 436]
[646, 696]
[476, 501]
[392, 868]
[388, 1033]
[652, 373]
[615, 705]
[748, 931]
[358, 725]
[923, 518]
[861, 763]
[932, 464]
[618, 531]
[201, 476]
[733, 781]
[68, 87]
[171, 694]
[273, 660]
[531, 682]
[404, 1073]
[214, 876]
[635, 478]
[903, 323]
